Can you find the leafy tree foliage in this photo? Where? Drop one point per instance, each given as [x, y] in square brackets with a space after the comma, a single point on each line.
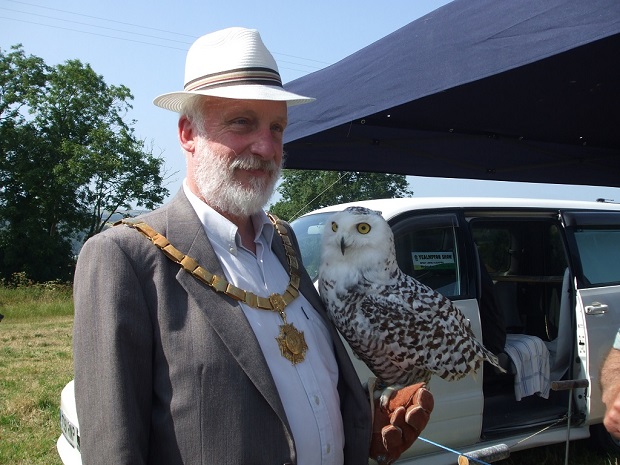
[68, 161]
[306, 190]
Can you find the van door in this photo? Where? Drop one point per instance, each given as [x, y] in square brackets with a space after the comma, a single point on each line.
[594, 245]
[434, 249]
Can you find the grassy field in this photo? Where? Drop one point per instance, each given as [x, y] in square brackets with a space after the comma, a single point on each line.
[36, 363]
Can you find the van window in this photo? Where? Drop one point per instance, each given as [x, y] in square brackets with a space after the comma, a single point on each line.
[599, 250]
[494, 248]
[427, 249]
[520, 247]
[309, 233]
[526, 259]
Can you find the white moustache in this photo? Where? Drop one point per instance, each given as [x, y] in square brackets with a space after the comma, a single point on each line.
[253, 163]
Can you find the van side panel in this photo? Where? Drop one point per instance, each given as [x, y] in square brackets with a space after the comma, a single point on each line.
[457, 417]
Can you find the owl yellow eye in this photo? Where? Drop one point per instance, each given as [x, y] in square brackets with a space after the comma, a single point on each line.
[334, 226]
[363, 228]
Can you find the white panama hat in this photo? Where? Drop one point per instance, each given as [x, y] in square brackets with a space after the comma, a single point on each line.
[231, 63]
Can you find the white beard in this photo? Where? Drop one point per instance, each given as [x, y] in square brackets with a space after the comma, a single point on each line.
[218, 187]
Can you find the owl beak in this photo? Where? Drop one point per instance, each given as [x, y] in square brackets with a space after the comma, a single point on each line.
[343, 246]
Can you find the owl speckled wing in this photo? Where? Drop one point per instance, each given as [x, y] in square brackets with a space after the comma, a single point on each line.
[400, 328]
[381, 337]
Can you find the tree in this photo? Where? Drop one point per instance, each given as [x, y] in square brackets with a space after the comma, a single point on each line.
[306, 190]
[68, 161]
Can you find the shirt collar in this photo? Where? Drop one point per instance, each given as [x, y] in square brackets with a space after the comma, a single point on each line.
[222, 230]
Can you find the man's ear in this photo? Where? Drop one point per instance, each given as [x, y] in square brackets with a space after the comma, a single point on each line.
[186, 134]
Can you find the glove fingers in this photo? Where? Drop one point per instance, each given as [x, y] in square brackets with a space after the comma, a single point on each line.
[398, 417]
[399, 420]
[392, 438]
[393, 433]
[419, 413]
[424, 398]
[416, 418]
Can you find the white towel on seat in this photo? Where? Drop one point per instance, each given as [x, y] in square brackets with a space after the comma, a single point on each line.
[531, 360]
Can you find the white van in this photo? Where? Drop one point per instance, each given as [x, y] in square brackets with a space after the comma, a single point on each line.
[539, 280]
[552, 271]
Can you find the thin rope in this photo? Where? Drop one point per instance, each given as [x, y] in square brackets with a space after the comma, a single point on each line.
[541, 431]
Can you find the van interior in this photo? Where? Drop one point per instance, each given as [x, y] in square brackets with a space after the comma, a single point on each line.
[527, 263]
[522, 287]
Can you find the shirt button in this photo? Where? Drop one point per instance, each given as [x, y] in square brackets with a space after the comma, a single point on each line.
[317, 401]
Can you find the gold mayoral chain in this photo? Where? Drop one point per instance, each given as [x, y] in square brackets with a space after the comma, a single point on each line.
[291, 341]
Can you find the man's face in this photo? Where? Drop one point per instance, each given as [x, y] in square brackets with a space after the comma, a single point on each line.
[238, 154]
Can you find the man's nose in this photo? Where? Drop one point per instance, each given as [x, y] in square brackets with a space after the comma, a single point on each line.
[266, 145]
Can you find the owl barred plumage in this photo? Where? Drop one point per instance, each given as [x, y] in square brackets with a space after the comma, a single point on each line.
[402, 329]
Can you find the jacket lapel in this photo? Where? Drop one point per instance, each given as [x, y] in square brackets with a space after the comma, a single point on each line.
[187, 234]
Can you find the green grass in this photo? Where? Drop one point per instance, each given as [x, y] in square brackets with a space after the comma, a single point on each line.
[36, 362]
[25, 303]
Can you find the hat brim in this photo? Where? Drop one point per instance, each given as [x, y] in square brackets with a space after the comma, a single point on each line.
[174, 100]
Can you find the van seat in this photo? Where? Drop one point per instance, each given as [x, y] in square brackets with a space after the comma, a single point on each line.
[530, 363]
[529, 356]
[506, 295]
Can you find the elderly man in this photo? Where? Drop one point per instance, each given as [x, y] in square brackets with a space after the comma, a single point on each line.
[199, 338]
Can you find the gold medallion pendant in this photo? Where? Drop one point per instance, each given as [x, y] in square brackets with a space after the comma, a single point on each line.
[292, 343]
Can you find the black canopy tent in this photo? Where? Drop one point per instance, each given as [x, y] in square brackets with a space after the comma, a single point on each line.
[519, 90]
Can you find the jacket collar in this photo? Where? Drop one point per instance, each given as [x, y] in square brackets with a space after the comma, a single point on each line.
[186, 233]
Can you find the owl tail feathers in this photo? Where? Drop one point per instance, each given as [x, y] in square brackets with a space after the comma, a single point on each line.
[469, 362]
[485, 355]
[498, 361]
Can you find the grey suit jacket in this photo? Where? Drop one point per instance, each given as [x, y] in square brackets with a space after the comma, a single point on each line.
[169, 372]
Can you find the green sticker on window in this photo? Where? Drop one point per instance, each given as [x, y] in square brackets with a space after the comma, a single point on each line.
[433, 260]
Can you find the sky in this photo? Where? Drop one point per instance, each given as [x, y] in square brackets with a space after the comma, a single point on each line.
[142, 44]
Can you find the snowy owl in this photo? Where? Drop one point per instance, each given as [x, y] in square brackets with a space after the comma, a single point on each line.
[402, 329]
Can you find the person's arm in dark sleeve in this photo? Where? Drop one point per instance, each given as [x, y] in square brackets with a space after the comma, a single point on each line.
[112, 356]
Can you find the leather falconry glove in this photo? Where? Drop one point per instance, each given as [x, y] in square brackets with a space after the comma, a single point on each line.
[400, 415]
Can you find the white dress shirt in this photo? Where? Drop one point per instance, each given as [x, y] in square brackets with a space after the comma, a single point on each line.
[308, 389]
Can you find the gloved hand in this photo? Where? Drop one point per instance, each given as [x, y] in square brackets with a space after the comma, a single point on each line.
[399, 418]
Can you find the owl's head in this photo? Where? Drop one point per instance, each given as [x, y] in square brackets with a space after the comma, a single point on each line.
[358, 237]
